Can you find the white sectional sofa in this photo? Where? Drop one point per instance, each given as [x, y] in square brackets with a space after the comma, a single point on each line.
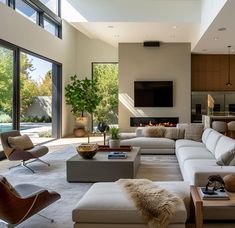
[198, 160]
[105, 203]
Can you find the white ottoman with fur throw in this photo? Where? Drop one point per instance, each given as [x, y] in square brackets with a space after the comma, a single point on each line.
[136, 203]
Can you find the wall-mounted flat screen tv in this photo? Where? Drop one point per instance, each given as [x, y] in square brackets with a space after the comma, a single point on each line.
[153, 93]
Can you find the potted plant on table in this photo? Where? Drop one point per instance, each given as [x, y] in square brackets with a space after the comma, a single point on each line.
[114, 140]
[81, 94]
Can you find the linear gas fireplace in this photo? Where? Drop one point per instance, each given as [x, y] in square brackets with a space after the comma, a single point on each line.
[153, 121]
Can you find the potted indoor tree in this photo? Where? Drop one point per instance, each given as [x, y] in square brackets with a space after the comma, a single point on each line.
[82, 95]
[114, 141]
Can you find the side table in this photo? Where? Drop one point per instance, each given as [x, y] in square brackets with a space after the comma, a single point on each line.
[200, 204]
[89, 134]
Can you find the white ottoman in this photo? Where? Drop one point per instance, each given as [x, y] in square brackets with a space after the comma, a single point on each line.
[106, 205]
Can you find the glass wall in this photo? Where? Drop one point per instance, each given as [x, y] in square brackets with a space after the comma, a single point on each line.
[6, 88]
[30, 91]
[224, 103]
[35, 96]
[106, 75]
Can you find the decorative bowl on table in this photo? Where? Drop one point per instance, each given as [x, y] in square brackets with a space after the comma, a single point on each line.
[87, 150]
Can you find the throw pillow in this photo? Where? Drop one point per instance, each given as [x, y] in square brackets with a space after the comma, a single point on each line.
[8, 185]
[226, 159]
[181, 127]
[139, 131]
[172, 133]
[194, 132]
[154, 131]
[20, 142]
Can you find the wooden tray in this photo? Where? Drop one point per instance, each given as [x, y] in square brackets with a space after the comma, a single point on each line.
[107, 148]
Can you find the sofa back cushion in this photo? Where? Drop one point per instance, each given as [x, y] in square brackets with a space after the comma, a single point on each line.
[172, 133]
[224, 145]
[205, 134]
[226, 159]
[212, 140]
[154, 131]
[194, 132]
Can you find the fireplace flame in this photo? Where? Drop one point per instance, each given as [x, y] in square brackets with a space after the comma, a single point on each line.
[164, 124]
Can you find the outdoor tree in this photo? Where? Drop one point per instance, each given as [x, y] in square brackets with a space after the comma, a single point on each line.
[107, 82]
[45, 88]
[29, 88]
[6, 80]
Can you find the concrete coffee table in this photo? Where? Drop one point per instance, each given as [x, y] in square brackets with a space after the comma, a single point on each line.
[100, 168]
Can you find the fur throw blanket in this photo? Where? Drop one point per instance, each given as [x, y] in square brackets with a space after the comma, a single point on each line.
[156, 205]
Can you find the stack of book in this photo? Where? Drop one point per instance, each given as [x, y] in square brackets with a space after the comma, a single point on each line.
[117, 154]
[213, 195]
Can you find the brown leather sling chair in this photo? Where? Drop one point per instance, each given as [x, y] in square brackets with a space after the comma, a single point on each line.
[22, 201]
[14, 154]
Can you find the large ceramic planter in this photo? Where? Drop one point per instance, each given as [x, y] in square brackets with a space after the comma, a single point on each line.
[79, 132]
[82, 122]
[114, 143]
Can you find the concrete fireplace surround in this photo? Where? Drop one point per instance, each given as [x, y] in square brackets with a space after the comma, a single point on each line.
[169, 62]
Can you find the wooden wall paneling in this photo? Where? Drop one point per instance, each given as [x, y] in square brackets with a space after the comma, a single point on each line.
[210, 72]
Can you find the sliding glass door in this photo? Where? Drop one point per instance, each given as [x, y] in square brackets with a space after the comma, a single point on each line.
[6, 88]
[30, 93]
[35, 96]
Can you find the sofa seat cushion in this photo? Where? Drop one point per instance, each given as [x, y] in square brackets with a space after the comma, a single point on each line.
[197, 171]
[150, 143]
[108, 203]
[38, 151]
[187, 143]
[187, 153]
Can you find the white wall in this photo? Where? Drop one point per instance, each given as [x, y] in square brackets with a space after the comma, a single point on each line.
[93, 50]
[171, 61]
[75, 51]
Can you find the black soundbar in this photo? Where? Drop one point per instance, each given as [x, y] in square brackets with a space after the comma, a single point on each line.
[151, 43]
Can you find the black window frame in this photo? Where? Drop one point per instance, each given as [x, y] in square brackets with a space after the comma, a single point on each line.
[56, 90]
[43, 11]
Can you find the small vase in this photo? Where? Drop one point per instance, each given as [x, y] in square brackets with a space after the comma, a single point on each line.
[102, 127]
[114, 143]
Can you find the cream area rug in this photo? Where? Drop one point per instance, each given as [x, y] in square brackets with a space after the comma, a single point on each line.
[153, 167]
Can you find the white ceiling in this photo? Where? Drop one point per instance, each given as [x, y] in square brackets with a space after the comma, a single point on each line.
[115, 21]
[214, 41]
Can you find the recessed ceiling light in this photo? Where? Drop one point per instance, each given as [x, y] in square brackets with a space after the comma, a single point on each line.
[222, 29]
[215, 38]
[174, 27]
[110, 26]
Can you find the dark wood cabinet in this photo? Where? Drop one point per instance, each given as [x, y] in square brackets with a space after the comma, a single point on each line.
[210, 72]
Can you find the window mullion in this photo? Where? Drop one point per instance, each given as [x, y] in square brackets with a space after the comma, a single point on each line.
[40, 19]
